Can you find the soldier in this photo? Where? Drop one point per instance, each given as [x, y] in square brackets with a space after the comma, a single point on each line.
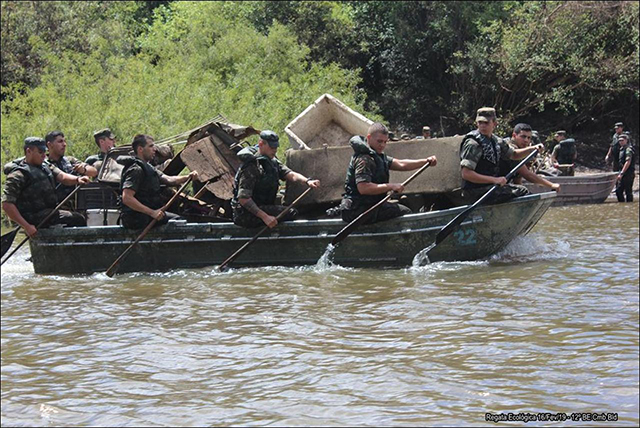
[29, 191]
[105, 140]
[367, 179]
[564, 156]
[557, 137]
[521, 138]
[426, 132]
[624, 183]
[614, 148]
[256, 184]
[57, 145]
[480, 155]
[140, 186]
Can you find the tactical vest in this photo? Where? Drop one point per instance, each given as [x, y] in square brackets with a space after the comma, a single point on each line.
[39, 192]
[266, 189]
[64, 165]
[566, 149]
[622, 159]
[148, 192]
[484, 165]
[380, 175]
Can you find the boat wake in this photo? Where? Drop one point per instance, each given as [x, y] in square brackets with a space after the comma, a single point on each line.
[532, 248]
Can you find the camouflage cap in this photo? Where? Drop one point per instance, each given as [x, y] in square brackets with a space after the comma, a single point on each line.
[35, 142]
[623, 137]
[619, 124]
[426, 128]
[486, 114]
[560, 133]
[270, 138]
[103, 133]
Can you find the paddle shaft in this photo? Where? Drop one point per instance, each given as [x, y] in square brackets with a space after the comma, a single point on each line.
[346, 231]
[446, 230]
[112, 269]
[42, 222]
[235, 255]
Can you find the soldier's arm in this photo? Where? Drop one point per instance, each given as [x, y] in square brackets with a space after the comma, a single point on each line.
[293, 176]
[83, 168]
[470, 175]
[411, 164]
[14, 214]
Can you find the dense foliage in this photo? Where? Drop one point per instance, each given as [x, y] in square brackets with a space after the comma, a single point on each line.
[164, 67]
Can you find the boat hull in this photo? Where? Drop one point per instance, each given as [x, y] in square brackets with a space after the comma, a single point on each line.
[580, 189]
[393, 243]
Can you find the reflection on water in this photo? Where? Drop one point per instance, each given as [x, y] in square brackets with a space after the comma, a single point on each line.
[548, 325]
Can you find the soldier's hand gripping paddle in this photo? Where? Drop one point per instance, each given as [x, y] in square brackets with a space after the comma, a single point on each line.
[346, 231]
[449, 227]
[235, 255]
[8, 238]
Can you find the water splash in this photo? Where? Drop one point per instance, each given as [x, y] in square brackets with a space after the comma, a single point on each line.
[326, 260]
[422, 258]
[532, 248]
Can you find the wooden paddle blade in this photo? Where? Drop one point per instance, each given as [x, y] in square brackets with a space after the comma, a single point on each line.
[7, 240]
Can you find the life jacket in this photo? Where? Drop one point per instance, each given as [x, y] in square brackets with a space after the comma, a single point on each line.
[148, 192]
[484, 166]
[64, 165]
[39, 192]
[380, 175]
[266, 189]
[623, 157]
[566, 150]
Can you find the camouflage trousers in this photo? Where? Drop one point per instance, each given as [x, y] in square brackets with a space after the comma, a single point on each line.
[385, 211]
[624, 187]
[500, 195]
[244, 218]
[64, 217]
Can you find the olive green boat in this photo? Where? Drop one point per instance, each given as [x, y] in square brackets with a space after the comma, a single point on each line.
[392, 243]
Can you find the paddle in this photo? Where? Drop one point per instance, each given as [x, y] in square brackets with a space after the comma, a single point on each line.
[112, 269]
[235, 255]
[346, 231]
[448, 228]
[7, 239]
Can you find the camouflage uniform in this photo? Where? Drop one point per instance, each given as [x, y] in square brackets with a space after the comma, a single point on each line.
[565, 153]
[483, 155]
[615, 152]
[624, 186]
[144, 179]
[32, 190]
[65, 164]
[367, 166]
[258, 179]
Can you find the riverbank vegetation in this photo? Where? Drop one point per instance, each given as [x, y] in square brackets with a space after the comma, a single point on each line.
[164, 67]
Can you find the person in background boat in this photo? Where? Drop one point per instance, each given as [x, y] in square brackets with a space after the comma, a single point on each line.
[367, 181]
[557, 137]
[105, 140]
[57, 146]
[426, 132]
[564, 156]
[140, 186]
[256, 184]
[521, 138]
[613, 155]
[624, 183]
[480, 154]
[29, 190]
